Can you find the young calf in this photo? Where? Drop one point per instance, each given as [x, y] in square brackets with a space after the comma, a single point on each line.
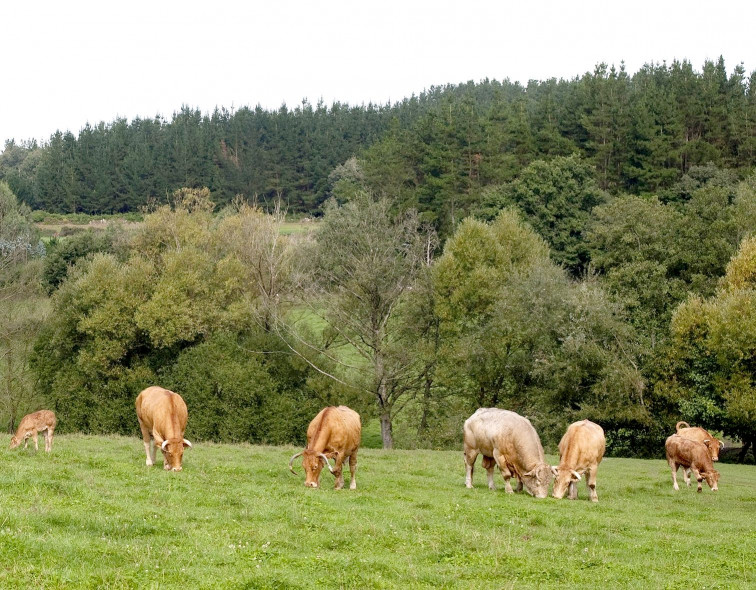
[691, 455]
[31, 425]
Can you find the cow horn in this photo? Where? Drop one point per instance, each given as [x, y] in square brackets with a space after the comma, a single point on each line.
[187, 443]
[162, 447]
[576, 474]
[300, 453]
[326, 460]
[721, 444]
[555, 471]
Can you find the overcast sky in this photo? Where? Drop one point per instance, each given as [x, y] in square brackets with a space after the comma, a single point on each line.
[68, 63]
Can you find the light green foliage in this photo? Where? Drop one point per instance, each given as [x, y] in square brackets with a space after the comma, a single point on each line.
[15, 217]
[194, 294]
[91, 515]
[22, 307]
[475, 262]
[360, 265]
[518, 331]
[117, 323]
[61, 254]
[713, 354]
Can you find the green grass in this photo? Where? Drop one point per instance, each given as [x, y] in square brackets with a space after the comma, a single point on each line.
[92, 515]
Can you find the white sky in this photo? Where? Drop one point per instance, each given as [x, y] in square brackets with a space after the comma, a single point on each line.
[68, 62]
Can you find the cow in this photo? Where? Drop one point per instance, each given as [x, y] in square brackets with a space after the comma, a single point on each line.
[701, 435]
[334, 433]
[31, 425]
[580, 452]
[508, 440]
[692, 455]
[162, 419]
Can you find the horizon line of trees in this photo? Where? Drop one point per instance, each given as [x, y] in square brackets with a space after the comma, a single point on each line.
[437, 152]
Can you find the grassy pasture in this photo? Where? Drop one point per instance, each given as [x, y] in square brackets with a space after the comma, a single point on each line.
[92, 515]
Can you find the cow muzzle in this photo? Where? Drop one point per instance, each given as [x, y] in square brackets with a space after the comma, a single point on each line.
[176, 469]
[311, 484]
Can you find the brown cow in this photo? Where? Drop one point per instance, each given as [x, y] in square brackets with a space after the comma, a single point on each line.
[31, 425]
[508, 440]
[701, 435]
[692, 455]
[580, 452]
[334, 433]
[162, 419]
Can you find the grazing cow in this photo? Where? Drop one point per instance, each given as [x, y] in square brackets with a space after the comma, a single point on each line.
[701, 435]
[334, 433]
[692, 455]
[162, 419]
[508, 440]
[580, 452]
[31, 425]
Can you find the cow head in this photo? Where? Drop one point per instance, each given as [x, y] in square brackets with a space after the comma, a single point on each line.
[714, 447]
[15, 441]
[537, 480]
[313, 463]
[562, 480]
[173, 453]
[711, 477]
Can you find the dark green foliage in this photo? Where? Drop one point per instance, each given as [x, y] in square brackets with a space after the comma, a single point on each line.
[64, 253]
[557, 197]
[235, 394]
[434, 152]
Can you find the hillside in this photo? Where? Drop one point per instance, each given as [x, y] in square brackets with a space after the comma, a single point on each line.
[640, 132]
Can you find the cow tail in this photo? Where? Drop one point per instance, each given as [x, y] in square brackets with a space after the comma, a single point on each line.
[681, 424]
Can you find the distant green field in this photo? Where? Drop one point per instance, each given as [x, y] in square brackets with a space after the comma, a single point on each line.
[296, 227]
[92, 515]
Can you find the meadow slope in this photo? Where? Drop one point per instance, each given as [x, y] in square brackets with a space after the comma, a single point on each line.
[92, 515]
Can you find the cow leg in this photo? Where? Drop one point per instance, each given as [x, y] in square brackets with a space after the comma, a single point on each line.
[686, 475]
[505, 472]
[149, 444]
[673, 466]
[353, 470]
[470, 456]
[48, 440]
[36, 440]
[519, 485]
[699, 478]
[489, 464]
[338, 472]
[572, 491]
[590, 478]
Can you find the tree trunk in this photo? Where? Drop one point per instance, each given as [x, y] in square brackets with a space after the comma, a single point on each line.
[388, 440]
[744, 451]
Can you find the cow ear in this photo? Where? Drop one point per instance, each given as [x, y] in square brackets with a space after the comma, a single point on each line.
[333, 454]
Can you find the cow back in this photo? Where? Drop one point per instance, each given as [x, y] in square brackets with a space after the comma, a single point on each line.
[688, 453]
[335, 428]
[163, 412]
[582, 445]
[513, 435]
